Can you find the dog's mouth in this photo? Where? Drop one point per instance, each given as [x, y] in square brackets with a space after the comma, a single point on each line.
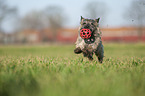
[87, 35]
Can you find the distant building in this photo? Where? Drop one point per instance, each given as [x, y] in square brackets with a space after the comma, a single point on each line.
[31, 36]
[9, 38]
[27, 36]
[124, 34]
[2, 35]
[67, 35]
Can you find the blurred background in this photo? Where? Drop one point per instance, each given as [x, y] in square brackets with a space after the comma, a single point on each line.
[55, 21]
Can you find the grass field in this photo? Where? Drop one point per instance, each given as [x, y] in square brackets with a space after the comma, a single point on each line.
[57, 71]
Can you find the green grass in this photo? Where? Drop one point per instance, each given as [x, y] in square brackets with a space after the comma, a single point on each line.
[57, 71]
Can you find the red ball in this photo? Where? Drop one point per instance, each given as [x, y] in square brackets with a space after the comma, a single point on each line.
[85, 33]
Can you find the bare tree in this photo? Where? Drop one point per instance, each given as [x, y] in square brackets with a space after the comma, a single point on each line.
[6, 12]
[136, 14]
[33, 20]
[95, 10]
[56, 18]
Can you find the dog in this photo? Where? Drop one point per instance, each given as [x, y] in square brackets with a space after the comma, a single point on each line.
[92, 44]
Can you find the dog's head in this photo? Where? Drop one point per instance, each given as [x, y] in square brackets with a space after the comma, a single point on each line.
[88, 29]
[91, 24]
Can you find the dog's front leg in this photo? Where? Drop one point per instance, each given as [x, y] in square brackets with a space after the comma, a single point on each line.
[78, 50]
[79, 45]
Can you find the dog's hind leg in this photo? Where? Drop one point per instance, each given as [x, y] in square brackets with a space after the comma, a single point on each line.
[88, 53]
[90, 56]
[100, 52]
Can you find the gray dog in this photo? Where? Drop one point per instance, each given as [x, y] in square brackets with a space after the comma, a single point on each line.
[91, 44]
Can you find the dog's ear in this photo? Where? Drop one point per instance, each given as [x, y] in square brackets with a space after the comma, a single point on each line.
[97, 20]
[82, 18]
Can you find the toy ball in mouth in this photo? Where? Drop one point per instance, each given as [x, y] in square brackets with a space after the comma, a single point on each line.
[85, 33]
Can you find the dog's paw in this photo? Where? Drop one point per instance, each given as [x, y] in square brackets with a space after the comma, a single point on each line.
[100, 59]
[90, 58]
[78, 50]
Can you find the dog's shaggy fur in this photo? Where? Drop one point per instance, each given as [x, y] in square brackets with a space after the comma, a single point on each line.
[94, 43]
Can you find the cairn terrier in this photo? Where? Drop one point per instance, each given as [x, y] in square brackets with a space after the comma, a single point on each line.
[89, 39]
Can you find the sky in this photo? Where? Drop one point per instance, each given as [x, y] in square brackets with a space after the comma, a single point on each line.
[73, 10]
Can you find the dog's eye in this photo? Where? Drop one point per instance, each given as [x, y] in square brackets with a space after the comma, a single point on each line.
[92, 23]
[84, 23]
